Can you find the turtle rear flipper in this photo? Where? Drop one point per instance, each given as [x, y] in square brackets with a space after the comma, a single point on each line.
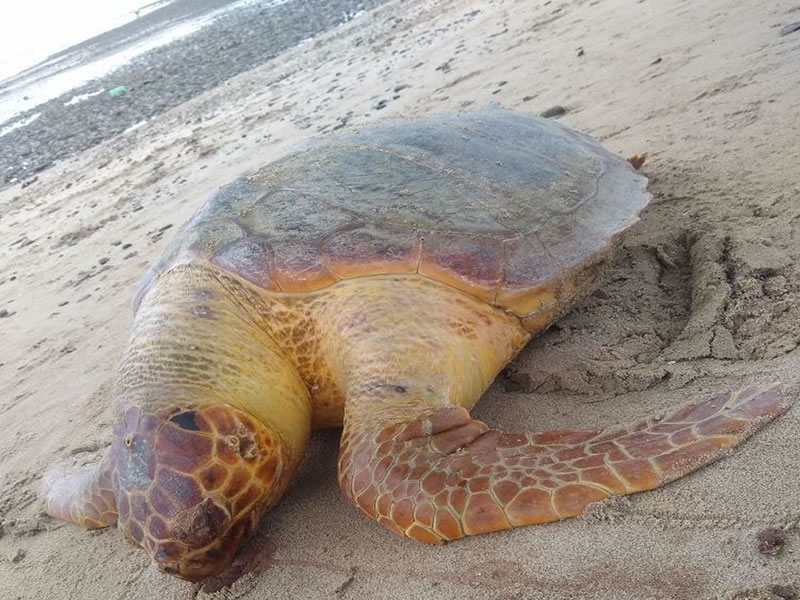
[445, 475]
[84, 496]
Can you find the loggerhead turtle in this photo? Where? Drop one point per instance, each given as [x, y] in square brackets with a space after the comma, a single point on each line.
[378, 279]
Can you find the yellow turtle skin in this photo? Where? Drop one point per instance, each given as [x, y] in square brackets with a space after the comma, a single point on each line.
[251, 331]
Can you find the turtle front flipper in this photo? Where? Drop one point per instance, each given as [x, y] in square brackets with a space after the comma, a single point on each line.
[444, 475]
[84, 496]
[413, 459]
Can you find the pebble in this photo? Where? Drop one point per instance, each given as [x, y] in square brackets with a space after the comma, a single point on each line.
[770, 541]
[553, 111]
[790, 28]
[17, 556]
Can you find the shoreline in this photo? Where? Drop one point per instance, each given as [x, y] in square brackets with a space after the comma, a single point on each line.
[239, 38]
[105, 45]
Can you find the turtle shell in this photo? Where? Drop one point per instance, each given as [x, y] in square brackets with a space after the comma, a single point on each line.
[517, 210]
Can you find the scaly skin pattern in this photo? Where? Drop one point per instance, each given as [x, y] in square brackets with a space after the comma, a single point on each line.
[222, 381]
[187, 484]
[413, 358]
[192, 483]
[87, 496]
[445, 476]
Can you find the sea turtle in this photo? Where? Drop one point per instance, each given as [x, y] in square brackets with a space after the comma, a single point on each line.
[378, 278]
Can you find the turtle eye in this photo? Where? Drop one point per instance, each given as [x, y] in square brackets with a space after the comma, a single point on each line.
[186, 420]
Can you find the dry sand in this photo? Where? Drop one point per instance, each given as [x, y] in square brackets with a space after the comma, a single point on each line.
[704, 297]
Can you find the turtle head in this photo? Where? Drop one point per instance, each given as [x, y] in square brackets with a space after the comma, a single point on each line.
[193, 483]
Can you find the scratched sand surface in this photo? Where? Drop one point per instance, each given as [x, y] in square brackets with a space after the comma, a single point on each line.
[704, 297]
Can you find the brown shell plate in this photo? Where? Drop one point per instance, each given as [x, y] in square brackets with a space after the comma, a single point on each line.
[496, 203]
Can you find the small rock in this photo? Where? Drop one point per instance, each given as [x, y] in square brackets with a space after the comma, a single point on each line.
[4, 313]
[580, 52]
[656, 61]
[63, 303]
[18, 555]
[103, 260]
[126, 246]
[553, 111]
[129, 255]
[770, 541]
[790, 28]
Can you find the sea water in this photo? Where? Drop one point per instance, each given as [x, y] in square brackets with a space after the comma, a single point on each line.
[32, 31]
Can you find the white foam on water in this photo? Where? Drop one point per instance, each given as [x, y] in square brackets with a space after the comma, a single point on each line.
[82, 97]
[32, 30]
[135, 126]
[21, 123]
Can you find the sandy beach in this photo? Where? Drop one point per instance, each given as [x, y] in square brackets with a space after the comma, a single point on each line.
[704, 297]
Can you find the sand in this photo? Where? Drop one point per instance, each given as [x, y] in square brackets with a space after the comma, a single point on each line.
[703, 298]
